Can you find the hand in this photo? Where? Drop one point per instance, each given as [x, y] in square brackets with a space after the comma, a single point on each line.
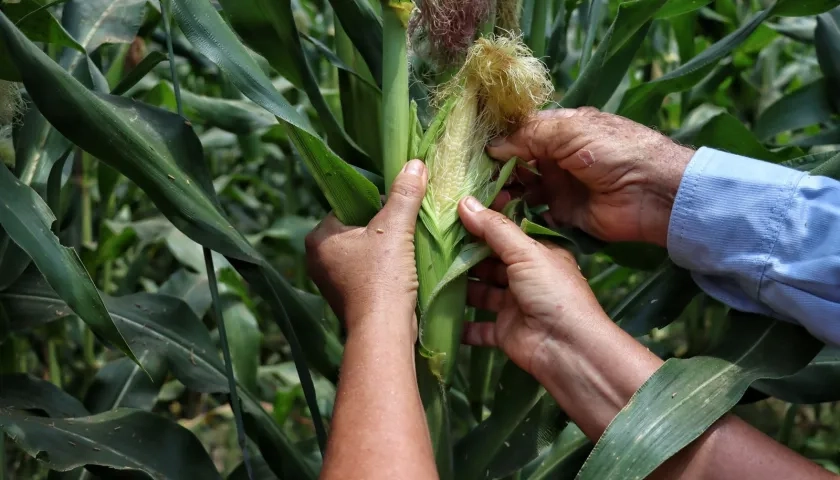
[365, 272]
[536, 289]
[607, 175]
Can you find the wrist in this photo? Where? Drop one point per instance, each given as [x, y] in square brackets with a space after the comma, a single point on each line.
[382, 323]
[664, 178]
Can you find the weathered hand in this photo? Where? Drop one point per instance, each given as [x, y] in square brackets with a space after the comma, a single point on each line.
[605, 174]
[537, 290]
[363, 271]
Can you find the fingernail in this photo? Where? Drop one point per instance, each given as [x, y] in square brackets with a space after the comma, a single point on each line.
[414, 167]
[473, 204]
[497, 141]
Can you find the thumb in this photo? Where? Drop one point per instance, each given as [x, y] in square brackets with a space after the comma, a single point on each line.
[500, 233]
[406, 195]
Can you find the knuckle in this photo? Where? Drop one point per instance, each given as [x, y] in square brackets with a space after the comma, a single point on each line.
[408, 188]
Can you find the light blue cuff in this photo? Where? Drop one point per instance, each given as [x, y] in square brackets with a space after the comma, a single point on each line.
[726, 219]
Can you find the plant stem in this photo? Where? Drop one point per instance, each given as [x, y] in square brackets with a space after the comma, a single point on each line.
[395, 99]
[538, 26]
[54, 364]
[788, 423]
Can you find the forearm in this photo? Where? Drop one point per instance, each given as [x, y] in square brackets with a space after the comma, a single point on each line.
[594, 374]
[379, 429]
[761, 238]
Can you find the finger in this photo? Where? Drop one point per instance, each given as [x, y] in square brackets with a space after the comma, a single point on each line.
[486, 297]
[520, 143]
[479, 334]
[491, 271]
[501, 234]
[543, 135]
[404, 199]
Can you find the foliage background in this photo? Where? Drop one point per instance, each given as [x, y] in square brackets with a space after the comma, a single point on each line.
[767, 91]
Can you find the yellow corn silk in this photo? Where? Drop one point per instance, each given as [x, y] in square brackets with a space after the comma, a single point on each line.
[499, 85]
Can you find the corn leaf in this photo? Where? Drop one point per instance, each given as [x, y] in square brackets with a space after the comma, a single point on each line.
[805, 106]
[641, 102]
[656, 302]
[160, 153]
[167, 326]
[145, 66]
[827, 43]
[602, 74]
[121, 383]
[364, 27]
[563, 459]
[517, 394]
[686, 396]
[818, 382]
[39, 24]
[725, 132]
[27, 221]
[268, 26]
[354, 198]
[65, 444]
[801, 8]
[673, 8]
[22, 391]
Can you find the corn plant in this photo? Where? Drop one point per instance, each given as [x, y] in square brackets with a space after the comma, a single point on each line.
[162, 163]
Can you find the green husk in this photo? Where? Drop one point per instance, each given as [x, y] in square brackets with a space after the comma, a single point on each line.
[499, 85]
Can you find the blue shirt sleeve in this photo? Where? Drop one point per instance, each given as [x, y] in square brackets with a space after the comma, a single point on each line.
[761, 238]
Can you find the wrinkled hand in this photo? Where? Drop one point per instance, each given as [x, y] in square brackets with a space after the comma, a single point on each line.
[370, 271]
[602, 173]
[536, 289]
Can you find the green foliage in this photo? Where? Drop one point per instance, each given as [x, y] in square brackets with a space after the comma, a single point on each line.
[110, 361]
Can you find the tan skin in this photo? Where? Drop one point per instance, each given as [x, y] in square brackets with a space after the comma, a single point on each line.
[607, 175]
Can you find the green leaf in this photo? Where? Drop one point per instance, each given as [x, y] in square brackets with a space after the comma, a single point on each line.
[168, 327]
[818, 382]
[37, 148]
[673, 8]
[24, 392]
[469, 256]
[121, 383]
[364, 27]
[517, 394]
[602, 74]
[725, 132]
[354, 199]
[145, 66]
[235, 116]
[245, 339]
[160, 153]
[802, 8]
[827, 43]
[656, 302]
[563, 459]
[532, 436]
[642, 102]
[39, 24]
[170, 450]
[93, 23]
[803, 107]
[27, 221]
[686, 396]
[269, 27]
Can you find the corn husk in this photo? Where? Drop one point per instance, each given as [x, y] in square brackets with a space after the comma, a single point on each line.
[499, 86]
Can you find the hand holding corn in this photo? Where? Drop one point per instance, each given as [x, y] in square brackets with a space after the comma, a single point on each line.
[365, 271]
[605, 174]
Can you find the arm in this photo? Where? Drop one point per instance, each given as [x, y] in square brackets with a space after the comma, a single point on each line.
[551, 325]
[379, 427]
[761, 238]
